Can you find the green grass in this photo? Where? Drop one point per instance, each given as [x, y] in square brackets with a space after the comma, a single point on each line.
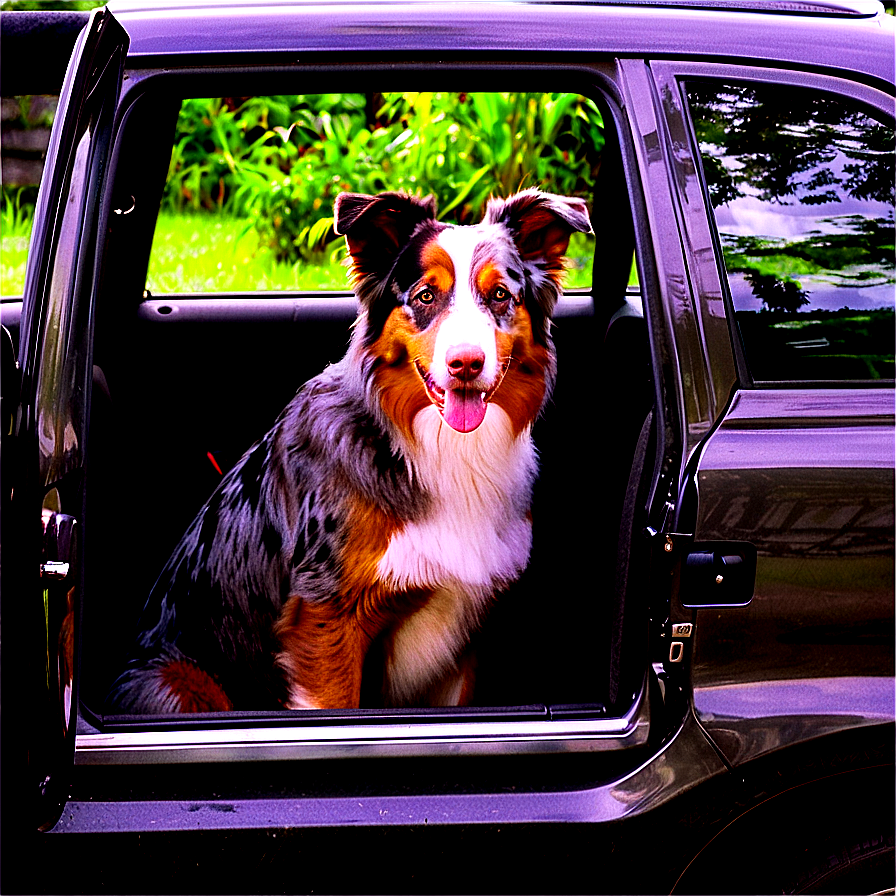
[205, 253]
[15, 232]
[13, 255]
[217, 254]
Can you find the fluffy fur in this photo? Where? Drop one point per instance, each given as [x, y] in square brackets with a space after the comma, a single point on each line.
[363, 538]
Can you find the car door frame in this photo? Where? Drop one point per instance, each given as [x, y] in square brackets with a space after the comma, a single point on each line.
[803, 708]
[122, 742]
[42, 551]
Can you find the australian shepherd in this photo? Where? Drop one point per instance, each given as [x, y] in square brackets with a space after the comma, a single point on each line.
[349, 555]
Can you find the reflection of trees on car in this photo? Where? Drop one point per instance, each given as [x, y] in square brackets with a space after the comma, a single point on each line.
[798, 148]
[802, 188]
[777, 295]
[773, 140]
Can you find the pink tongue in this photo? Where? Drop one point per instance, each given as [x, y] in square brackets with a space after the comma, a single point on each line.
[464, 408]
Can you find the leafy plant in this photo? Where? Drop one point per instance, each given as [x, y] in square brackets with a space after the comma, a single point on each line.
[288, 189]
[43, 5]
[279, 162]
[217, 141]
[17, 210]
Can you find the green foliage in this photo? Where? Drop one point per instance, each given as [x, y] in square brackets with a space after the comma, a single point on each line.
[270, 167]
[279, 162]
[34, 111]
[17, 210]
[16, 215]
[65, 5]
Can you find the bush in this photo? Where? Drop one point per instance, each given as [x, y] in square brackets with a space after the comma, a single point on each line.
[279, 162]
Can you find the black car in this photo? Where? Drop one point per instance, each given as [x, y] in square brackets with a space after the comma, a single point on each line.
[691, 687]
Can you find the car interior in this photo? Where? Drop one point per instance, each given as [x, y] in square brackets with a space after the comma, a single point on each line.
[184, 384]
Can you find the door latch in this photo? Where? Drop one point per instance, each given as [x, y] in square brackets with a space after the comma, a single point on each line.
[680, 631]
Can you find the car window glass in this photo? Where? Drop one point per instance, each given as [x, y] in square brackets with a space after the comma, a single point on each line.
[801, 186]
[248, 203]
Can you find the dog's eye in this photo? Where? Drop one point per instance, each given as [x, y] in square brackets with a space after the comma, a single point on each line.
[426, 297]
[501, 296]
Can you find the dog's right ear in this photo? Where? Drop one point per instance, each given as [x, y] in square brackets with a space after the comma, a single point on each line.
[376, 227]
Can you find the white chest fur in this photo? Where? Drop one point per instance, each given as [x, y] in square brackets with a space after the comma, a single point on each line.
[475, 538]
[477, 532]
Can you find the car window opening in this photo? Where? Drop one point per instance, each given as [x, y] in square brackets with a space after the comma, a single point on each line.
[198, 376]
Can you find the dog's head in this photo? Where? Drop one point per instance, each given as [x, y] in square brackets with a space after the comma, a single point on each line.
[466, 310]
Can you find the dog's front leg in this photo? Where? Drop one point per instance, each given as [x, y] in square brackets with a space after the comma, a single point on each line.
[456, 687]
[322, 654]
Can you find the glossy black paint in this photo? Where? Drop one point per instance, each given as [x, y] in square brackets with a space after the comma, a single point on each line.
[49, 432]
[566, 30]
[807, 475]
[792, 688]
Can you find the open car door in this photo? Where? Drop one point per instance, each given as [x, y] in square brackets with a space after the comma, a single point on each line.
[45, 444]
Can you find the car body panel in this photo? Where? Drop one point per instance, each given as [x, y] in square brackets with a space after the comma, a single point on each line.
[687, 759]
[682, 352]
[511, 27]
[804, 474]
[815, 643]
[46, 481]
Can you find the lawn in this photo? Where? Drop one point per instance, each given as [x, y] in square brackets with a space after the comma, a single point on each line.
[214, 253]
[15, 231]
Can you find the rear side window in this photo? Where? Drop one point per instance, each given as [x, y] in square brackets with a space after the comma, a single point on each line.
[801, 184]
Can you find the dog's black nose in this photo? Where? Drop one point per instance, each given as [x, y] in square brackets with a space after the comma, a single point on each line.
[465, 361]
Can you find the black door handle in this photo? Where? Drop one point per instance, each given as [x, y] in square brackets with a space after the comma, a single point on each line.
[718, 574]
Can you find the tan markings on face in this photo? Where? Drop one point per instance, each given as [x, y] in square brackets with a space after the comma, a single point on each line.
[521, 392]
[402, 393]
[488, 278]
[438, 267]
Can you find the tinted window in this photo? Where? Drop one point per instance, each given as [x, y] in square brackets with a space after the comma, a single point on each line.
[801, 184]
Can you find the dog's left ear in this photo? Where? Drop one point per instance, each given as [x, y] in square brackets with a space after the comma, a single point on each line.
[540, 224]
[376, 227]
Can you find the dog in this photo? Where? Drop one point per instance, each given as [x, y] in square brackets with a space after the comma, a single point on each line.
[365, 535]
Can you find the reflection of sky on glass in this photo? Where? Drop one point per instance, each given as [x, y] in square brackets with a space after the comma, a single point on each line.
[791, 221]
[749, 216]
